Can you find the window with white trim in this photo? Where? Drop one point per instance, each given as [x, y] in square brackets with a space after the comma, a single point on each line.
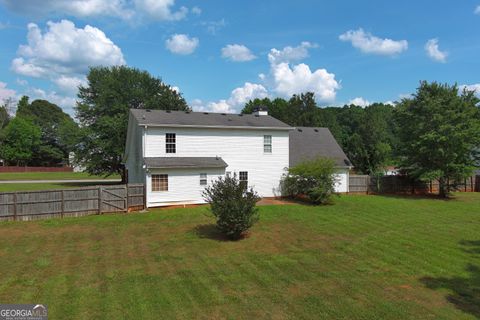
[159, 182]
[267, 144]
[203, 179]
[170, 143]
[243, 178]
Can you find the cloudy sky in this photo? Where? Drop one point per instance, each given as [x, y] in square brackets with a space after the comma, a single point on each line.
[220, 54]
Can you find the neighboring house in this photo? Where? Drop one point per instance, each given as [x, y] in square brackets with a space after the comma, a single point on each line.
[177, 153]
[391, 171]
[308, 143]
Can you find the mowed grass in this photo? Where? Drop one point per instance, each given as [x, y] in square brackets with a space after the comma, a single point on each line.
[366, 257]
[50, 176]
[10, 187]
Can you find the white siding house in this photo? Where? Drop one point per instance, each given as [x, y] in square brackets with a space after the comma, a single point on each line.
[176, 154]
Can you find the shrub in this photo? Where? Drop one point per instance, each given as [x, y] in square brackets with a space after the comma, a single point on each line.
[233, 206]
[314, 179]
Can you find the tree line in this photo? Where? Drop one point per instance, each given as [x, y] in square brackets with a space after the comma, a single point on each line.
[434, 134]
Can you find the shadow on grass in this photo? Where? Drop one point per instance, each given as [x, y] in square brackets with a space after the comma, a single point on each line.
[210, 231]
[414, 196]
[465, 291]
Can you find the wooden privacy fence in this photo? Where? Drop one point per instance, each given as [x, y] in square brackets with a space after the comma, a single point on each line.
[32, 205]
[404, 184]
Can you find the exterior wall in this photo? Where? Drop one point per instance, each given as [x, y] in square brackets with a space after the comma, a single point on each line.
[183, 186]
[342, 180]
[241, 149]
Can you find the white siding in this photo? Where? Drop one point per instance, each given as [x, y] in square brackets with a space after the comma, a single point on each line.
[242, 150]
[341, 183]
[183, 186]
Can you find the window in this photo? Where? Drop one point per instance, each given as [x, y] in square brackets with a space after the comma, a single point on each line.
[170, 143]
[267, 144]
[203, 179]
[159, 182]
[243, 178]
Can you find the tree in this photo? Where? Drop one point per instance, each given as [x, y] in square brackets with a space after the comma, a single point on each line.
[439, 132]
[233, 205]
[313, 178]
[59, 132]
[103, 109]
[20, 140]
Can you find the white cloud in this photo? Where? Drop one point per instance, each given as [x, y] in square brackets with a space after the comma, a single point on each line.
[289, 54]
[76, 8]
[161, 9]
[64, 49]
[237, 53]
[196, 10]
[237, 100]
[359, 101]
[69, 84]
[181, 44]
[368, 43]
[477, 10]
[434, 52]
[213, 27]
[6, 93]
[299, 78]
[286, 79]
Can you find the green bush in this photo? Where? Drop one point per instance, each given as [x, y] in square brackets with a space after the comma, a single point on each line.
[314, 179]
[233, 206]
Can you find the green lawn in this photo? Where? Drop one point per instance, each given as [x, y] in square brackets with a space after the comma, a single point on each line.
[50, 176]
[366, 257]
[8, 187]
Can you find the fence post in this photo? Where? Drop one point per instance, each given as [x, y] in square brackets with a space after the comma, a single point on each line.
[126, 198]
[14, 206]
[63, 204]
[100, 191]
[145, 196]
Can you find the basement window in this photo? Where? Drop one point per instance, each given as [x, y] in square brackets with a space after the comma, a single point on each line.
[170, 143]
[267, 144]
[159, 182]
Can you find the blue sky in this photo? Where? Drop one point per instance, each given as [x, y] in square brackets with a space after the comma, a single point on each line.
[220, 54]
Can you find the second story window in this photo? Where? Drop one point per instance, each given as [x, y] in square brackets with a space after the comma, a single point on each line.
[267, 144]
[170, 143]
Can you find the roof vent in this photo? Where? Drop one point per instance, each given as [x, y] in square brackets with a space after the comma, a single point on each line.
[257, 115]
[224, 114]
[230, 119]
[299, 130]
[205, 113]
[316, 130]
[188, 111]
[168, 111]
[240, 115]
[148, 110]
[143, 116]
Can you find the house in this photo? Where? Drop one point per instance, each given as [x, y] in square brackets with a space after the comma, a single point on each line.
[177, 153]
[308, 143]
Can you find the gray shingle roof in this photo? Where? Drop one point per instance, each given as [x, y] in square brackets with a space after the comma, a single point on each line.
[184, 162]
[308, 143]
[206, 119]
